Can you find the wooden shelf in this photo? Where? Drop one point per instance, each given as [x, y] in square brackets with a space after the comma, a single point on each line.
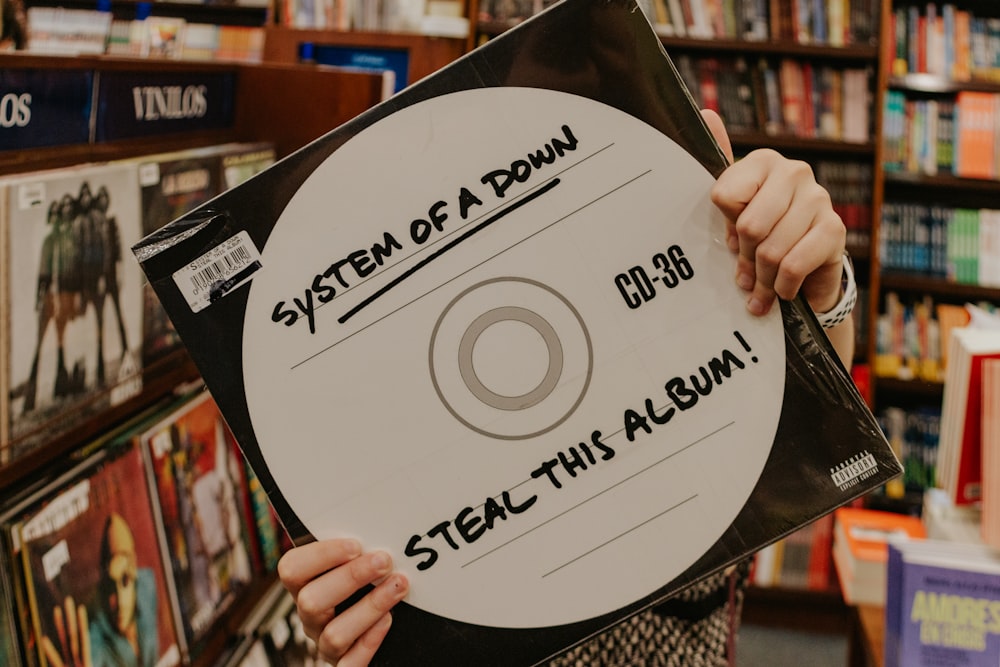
[797, 609]
[159, 381]
[858, 53]
[934, 84]
[943, 182]
[911, 282]
[920, 389]
[802, 145]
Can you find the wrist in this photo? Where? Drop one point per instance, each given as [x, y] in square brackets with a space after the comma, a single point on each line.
[842, 309]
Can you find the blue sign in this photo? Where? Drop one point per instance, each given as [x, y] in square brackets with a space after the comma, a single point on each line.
[142, 104]
[44, 107]
[378, 59]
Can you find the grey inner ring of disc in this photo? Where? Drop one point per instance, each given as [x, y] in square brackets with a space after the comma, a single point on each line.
[515, 314]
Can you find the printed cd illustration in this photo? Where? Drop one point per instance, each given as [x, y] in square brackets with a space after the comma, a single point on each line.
[497, 333]
[468, 372]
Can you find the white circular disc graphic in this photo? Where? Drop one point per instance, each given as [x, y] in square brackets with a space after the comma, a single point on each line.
[457, 374]
[497, 333]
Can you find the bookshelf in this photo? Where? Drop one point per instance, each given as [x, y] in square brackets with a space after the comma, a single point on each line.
[936, 64]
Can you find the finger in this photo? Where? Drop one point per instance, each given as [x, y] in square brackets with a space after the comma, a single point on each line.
[774, 270]
[812, 264]
[301, 565]
[71, 631]
[51, 654]
[343, 633]
[738, 185]
[363, 650]
[318, 599]
[718, 130]
[84, 624]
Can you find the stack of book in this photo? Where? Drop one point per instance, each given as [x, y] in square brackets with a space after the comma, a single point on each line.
[860, 551]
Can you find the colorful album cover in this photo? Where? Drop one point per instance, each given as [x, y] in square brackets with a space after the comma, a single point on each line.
[490, 325]
[10, 649]
[172, 185]
[266, 524]
[73, 310]
[93, 570]
[242, 161]
[197, 477]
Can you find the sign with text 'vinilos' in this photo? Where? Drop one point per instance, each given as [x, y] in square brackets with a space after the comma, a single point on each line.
[149, 103]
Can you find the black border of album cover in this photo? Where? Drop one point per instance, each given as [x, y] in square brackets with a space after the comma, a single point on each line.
[605, 51]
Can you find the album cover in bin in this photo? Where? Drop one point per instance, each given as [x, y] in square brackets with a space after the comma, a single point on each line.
[92, 568]
[196, 482]
[491, 325]
[71, 310]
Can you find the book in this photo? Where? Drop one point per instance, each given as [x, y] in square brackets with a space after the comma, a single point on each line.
[942, 604]
[484, 470]
[91, 562]
[196, 480]
[73, 303]
[975, 150]
[960, 448]
[860, 551]
[990, 523]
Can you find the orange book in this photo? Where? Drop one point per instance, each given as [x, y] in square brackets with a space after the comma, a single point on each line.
[976, 153]
[860, 549]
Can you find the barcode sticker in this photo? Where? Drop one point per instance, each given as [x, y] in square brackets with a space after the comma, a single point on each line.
[218, 272]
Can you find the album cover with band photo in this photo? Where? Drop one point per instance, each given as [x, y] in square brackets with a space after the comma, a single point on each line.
[491, 326]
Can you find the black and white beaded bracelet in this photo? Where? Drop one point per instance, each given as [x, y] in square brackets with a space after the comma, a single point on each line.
[839, 313]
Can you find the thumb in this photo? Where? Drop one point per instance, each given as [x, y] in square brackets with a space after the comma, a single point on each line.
[718, 130]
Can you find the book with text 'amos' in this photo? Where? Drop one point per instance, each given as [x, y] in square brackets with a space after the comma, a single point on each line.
[491, 325]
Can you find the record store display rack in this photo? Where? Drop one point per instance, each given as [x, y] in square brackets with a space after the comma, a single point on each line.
[108, 442]
[102, 411]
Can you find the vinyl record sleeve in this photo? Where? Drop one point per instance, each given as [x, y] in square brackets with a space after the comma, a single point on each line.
[196, 483]
[171, 185]
[93, 540]
[491, 326]
[72, 307]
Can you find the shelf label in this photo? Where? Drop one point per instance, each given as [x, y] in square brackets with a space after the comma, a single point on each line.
[142, 104]
[44, 107]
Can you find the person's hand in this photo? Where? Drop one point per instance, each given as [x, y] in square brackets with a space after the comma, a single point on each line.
[782, 226]
[73, 630]
[324, 574]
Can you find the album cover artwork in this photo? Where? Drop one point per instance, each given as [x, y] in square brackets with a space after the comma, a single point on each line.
[73, 302]
[92, 567]
[196, 477]
[10, 649]
[241, 161]
[491, 325]
[172, 184]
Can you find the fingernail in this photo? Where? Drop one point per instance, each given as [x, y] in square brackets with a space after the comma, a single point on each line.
[744, 280]
[352, 548]
[380, 561]
[399, 587]
[756, 306]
